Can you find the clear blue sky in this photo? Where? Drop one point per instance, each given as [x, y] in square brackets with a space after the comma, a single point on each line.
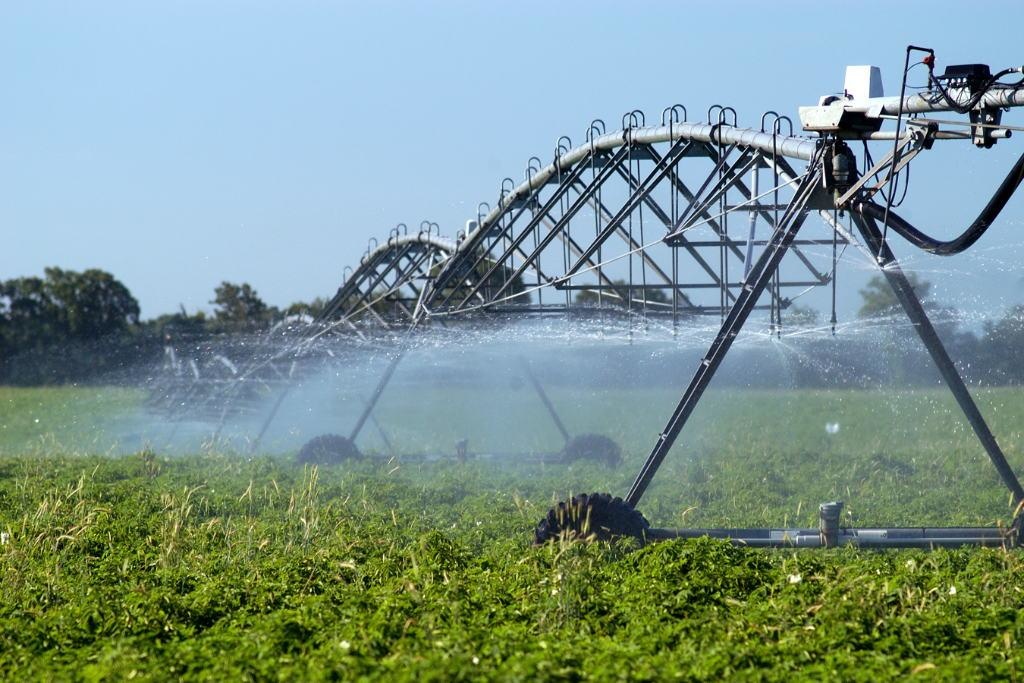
[179, 144]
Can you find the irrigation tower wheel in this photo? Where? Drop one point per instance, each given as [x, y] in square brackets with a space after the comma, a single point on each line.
[328, 449]
[596, 447]
[593, 517]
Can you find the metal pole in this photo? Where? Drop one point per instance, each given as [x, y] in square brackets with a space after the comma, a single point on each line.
[270, 418]
[383, 434]
[748, 256]
[544, 399]
[372, 403]
[871, 537]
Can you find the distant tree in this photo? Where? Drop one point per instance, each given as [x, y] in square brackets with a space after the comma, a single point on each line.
[1002, 347]
[801, 316]
[914, 365]
[312, 308]
[879, 300]
[65, 326]
[170, 325]
[240, 307]
[65, 305]
[28, 315]
[92, 304]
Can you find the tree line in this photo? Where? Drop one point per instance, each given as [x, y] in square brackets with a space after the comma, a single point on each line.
[69, 326]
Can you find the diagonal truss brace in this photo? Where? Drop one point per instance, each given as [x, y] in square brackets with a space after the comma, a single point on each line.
[544, 211]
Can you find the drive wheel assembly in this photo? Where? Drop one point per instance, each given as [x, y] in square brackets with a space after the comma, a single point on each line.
[596, 447]
[593, 517]
[328, 449]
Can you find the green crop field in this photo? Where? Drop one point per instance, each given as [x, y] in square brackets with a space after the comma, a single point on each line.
[220, 565]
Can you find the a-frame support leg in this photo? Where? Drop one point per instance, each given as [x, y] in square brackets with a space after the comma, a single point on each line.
[375, 397]
[368, 414]
[269, 418]
[915, 311]
[543, 395]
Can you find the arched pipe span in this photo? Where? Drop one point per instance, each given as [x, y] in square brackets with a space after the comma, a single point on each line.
[787, 146]
[369, 261]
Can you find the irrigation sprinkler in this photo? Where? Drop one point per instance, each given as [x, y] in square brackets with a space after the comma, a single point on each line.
[683, 219]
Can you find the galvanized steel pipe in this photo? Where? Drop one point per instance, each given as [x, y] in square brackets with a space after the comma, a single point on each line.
[783, 145]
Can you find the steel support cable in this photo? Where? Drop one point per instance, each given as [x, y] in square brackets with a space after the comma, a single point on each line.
[364, 270]
[721, 170]
[709, 219]
[574, 249]
[719, 227]
[968, 237]
[596, 265]
[402, 279]
[369, 269]
[964, 124]
[383, 268]
[474, 239]
[368, 305]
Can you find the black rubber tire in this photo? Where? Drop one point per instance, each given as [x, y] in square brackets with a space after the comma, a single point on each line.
[591, 517]
[596, 447]
[328, 449]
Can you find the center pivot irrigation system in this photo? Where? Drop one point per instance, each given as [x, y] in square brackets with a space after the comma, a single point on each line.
[665, 222]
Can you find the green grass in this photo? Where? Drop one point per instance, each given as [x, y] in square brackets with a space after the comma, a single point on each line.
[60, 419]
[223, 567]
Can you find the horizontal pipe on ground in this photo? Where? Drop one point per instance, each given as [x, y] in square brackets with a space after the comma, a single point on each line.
[881, 537]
